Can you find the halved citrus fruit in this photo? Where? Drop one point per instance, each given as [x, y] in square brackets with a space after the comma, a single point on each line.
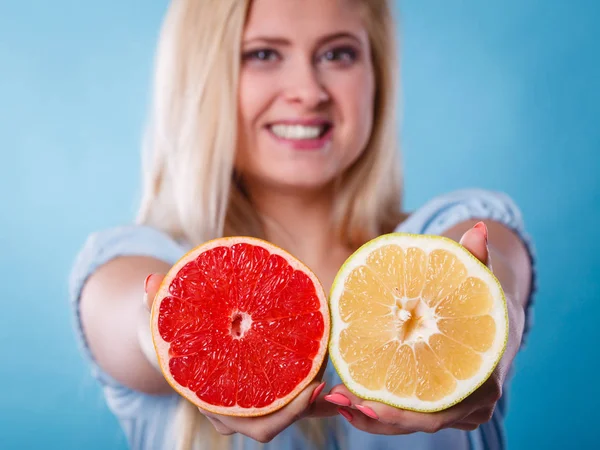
[240, 326]
[417, 322]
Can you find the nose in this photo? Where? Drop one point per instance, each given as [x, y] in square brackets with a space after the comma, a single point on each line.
[304, 87]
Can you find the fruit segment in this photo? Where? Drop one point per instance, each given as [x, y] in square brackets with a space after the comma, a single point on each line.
[354, 306]
[258, 391]
[461, 361]
[472, 298]
[179, 317]
[475, 332]
[198, 370]
[284, 332]
[402, 373]
[363, 337]
[217, 268]
[387, 263]
[219, 387]
[444, 274]
[365, 295]
[415, 266]
[433, 380]
[297, 296]
[283, 367]
[371, 372]
[250, 261]
[276, 274]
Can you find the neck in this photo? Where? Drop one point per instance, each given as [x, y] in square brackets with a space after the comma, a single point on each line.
[298, 222]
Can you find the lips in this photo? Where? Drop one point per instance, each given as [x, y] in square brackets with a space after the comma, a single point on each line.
[302, 134]
[299, 132]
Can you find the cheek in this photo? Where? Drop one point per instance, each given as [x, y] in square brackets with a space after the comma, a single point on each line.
[366, 100]
[357, 98]
[250, 103]
[247, 100]
[254, 92]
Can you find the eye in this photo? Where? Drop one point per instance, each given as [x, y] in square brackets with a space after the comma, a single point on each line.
[344, 55]
[263, 54]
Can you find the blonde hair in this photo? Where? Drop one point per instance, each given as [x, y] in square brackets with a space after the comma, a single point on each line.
[190, 188]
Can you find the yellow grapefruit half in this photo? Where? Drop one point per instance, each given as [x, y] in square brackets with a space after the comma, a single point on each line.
[417, 322]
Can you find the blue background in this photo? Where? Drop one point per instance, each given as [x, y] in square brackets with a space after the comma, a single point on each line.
[502, 95]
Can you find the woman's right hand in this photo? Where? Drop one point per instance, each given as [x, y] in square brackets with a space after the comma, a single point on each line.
[309, 403]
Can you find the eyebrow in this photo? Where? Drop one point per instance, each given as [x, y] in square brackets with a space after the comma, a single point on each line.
[285, 42]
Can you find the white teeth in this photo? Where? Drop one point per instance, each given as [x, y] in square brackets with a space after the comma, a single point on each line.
[297, 131]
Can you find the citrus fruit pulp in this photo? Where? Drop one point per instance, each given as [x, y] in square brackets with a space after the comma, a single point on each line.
[417, 322]
[240, 327]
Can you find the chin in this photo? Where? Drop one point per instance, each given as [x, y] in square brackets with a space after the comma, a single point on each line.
[297, 184]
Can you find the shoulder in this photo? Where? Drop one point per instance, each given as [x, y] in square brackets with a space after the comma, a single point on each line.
[102, 246]
[133, 239]
[450, 209]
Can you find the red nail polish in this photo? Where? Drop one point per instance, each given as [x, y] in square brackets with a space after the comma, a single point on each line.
[367, 412]
[481, 227]
[346, 414]
[146, 283]
[316, 393]
[338, 399]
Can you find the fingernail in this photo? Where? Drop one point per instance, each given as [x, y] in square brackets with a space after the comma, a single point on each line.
[338, 399]
[367, 412]
[146, 283]
[346, 414]
[316, 393]
[482, 228]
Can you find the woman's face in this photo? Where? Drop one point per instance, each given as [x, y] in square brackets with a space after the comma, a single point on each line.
[306, 92]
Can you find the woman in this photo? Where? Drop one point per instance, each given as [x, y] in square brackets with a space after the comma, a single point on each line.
[276, 119]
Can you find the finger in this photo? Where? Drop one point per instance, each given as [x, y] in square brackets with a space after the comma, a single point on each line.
[265, 428]
[323, 366]
[321, 408]
[465, 426]
[318, 406]
[364, 423]
[406, 420]
[415, 421]
[151, 286]
[480, 416]
[475, 240]
[475, 409]
[218, 425]
[340, 395]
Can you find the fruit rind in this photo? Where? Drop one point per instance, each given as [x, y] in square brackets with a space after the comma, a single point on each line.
[426, 243]
[161, 347]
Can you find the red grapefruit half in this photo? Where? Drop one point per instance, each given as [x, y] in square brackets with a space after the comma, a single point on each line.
[240, 327]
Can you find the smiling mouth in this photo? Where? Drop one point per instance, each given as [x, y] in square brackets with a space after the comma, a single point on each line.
[297, 132]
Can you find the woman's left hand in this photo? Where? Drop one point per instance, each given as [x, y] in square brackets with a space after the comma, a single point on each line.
[378, 418]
